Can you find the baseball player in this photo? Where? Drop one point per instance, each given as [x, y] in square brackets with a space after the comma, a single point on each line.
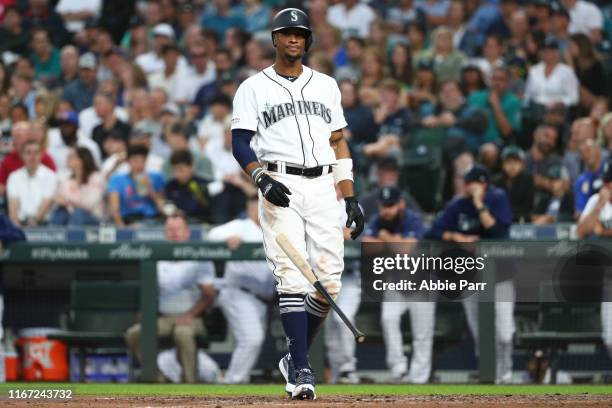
[247, 287]
[396, 223]
[483, 212]
[287, 135]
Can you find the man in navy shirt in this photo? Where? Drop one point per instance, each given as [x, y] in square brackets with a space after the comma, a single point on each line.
[395, 223]
[483, 213]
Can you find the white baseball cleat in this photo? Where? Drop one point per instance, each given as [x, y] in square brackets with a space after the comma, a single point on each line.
[304, 385]
[285, 365]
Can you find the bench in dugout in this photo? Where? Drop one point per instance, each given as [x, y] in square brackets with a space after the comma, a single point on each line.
[558, 326]
[101, 312]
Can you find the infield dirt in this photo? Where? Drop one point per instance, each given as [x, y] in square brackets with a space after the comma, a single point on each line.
[422, 401]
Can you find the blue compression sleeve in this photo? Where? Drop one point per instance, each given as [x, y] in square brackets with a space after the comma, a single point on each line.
[241, 138]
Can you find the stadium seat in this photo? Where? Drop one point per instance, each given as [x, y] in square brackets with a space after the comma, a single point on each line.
[423, 175]
[99, 315]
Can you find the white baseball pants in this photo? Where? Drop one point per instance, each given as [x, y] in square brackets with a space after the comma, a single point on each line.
[246, 316]
[339, 340]
[422, 322]
[504, 327]
[311, 224]
[606, 313]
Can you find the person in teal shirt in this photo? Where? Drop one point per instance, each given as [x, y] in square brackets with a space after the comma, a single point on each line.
[45, 57]
[502, 107]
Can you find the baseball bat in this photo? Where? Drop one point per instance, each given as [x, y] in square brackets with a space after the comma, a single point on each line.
[309, 274]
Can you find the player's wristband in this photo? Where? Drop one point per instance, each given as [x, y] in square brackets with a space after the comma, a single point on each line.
[343, 170]
[257, 174]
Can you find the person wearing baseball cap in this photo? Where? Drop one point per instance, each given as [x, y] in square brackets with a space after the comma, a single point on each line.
[596, 219]
[482, 213]
[80, 92]
[396, 223]
[152, 61]
[556, 205]
[516, 182]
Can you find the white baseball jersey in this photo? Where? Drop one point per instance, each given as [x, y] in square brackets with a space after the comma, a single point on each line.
[292, 121]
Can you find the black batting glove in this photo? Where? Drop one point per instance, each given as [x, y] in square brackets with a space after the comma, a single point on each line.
[274, 191]
[354, 214]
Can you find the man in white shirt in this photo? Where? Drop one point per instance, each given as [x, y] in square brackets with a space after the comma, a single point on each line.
[351, 17]
[65, 137]
[30, 189]
[201, 71]
[551, 82]
[167, 78]
[246, 289]
[152, 61]
[186, 290]
[585, 17]
[76, 12]
[596, 221]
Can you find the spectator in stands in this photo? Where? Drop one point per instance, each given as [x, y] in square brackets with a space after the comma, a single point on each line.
[189, 192]
[31, 188]
[541, 157]
[212, 127]
[15, 38]
[80, 193]
[45, 56]
[466, 124]
[186, 291]
[405, 13]
[167, 78]
[104, 106]
[484, 212]
[394, 122]
[582, 129]
[352, 17]
[551, 82]
[67, 137]
[556, 205]
[502, 107]
[422, 95]
[393, 222]
[178, 139]
[69, 64]
[492, 56]
[354, 50]
[472, 79]
[220, 18]
[516, 182]
[23, 92]
[590, 180]
[586, 18]
[21, 134]
[447, 61]
[589, 70]
[372, 67]
[201, 72]
[80, 92]
[116, 161]
[559, 25]
[152, 61]
[400, 64]
[137, 195]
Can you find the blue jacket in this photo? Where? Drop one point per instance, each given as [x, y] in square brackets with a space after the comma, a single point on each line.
[9, 231]
[460, 215]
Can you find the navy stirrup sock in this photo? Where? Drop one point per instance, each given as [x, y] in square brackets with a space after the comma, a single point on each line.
[295, 322]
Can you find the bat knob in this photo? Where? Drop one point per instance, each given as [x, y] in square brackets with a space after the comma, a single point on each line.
[360, 338]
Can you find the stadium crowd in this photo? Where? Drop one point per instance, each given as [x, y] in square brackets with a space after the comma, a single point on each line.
[109, 112]
[119, 112]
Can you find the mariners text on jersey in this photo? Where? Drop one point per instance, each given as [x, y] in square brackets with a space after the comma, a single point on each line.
[284, 110]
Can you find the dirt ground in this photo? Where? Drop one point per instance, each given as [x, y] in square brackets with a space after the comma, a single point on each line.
[433, 401]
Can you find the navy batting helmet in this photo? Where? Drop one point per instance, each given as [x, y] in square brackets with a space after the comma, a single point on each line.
[292, 17]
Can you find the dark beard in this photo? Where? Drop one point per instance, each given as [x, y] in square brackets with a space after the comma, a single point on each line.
[293, 58]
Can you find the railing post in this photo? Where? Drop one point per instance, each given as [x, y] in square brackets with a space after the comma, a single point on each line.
[148, 309]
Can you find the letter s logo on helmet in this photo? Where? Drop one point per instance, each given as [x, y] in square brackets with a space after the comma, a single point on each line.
[294, 16]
